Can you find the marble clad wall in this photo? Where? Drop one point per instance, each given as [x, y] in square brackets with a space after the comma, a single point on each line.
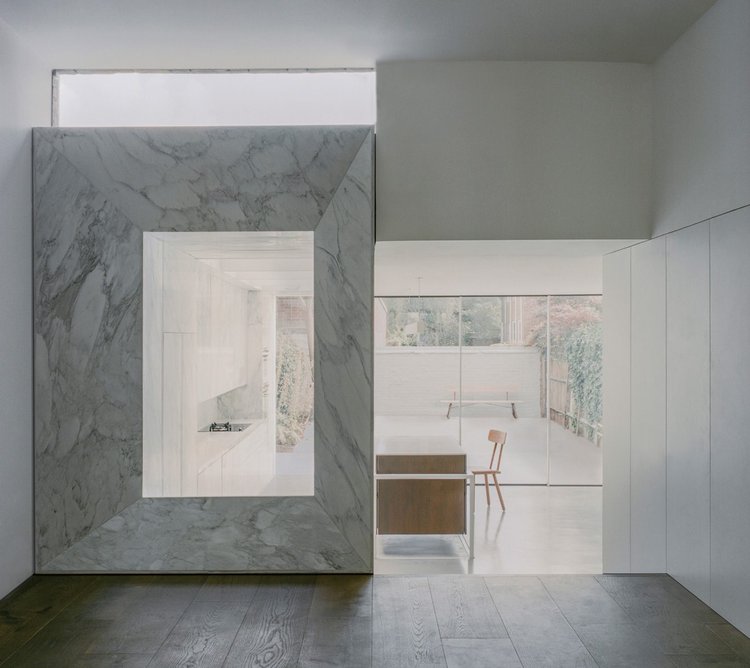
[95, 192]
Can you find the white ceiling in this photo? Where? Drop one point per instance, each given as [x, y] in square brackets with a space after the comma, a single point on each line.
[405, 268]
[279, 262]
[343, 33]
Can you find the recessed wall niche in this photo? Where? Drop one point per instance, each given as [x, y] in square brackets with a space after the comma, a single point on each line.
[96, 192]
[228, 364]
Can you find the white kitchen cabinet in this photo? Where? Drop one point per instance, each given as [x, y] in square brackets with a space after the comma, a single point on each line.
[249, 465]
[222, 334]
[209, 480]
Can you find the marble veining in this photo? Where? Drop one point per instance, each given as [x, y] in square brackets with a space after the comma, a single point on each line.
[227, 179]
[343, 356]
[87, 326]
[186, 535]
[96, 191]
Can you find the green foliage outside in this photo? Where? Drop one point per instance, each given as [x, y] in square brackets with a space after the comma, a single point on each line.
[433, 321]
[294, 392]
[428, 321]
[576, 339]
[483, 321]
[583, 350]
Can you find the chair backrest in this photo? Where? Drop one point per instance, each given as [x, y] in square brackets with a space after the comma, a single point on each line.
[496, 437]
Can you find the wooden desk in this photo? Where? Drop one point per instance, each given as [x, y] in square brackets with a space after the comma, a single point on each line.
[420, 506]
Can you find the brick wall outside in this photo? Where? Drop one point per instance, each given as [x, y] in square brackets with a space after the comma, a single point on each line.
[413, 381]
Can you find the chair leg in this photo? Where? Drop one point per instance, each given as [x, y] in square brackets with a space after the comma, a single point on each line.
[497, 487]
[487, 488]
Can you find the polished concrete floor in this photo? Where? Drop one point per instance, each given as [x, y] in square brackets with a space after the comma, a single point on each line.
[573, 460]
[358, 621]
[544, 530]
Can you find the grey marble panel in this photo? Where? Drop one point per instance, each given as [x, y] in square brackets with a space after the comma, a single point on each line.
[95, 192]
[343, 356]
[228, 179]
[87, 324]
[266, 534]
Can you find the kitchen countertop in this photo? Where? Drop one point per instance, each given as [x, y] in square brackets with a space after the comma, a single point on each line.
[211, 445]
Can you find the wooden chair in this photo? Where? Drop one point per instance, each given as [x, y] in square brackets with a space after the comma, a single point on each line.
[497, 438]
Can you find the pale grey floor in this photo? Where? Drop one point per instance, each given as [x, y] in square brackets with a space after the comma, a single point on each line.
[573, 460]
[545, 530]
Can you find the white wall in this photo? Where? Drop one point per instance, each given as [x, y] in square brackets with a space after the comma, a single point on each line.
[682, 313]
[513, 150]
[568, 267]
[24, 102]
[701, 120]
[675, 429]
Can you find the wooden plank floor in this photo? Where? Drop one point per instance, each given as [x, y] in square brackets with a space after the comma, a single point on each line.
[357, 621]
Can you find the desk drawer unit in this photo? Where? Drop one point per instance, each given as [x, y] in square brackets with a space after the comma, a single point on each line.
[421, 506]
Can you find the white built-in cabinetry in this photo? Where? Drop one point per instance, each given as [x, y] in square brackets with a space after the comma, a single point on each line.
[222, 333]
[195, 348]
[235, 467]
[676, 374]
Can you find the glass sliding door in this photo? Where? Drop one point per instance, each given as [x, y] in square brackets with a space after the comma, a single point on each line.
[417, 368]
[503, 383]
[575, 390]
[452, 368]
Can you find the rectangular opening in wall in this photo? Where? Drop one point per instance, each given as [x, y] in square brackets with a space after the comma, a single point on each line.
[230, 98]
[228, 364]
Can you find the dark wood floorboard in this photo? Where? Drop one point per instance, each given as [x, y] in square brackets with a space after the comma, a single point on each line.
[337, 641]
[135, 621]
[536, 626]
[229, 588]
[271, 634]
[32, 607]
[203, 636]
[112, 661]
[339, 627]
[59, 642]
[405, 628]
[342, 596]
[464, 608]
[143, 625]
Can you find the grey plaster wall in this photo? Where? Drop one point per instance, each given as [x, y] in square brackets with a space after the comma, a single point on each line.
[701, 120]
[96, 191]
[513, 150]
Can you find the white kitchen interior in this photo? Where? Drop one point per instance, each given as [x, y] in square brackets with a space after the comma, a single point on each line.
[227, 364]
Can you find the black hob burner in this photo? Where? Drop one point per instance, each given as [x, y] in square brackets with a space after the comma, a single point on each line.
[220, 426]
